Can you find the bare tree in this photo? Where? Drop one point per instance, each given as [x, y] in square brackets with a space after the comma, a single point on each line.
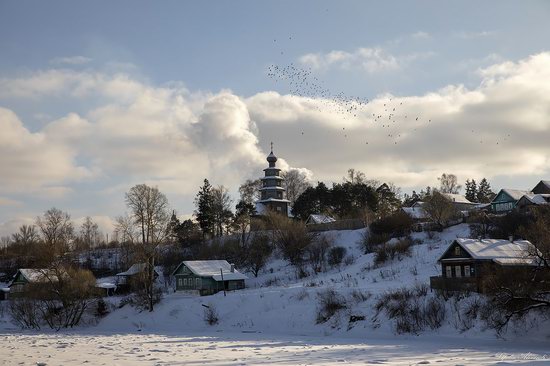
[250, 191]
[150, 213]
[439, 208]
[355, 176]
[448, 183]
[90, 236]
[57, 232]
[296, 182]
[221, 209]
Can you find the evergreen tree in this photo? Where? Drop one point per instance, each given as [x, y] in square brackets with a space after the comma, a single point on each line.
[484, 192]
[471, 190]
[204, 202]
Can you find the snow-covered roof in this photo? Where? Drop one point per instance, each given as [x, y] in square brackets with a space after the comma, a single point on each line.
[5, 289]
[458, 198]
[319, 219]
[135, 269]
[274, 200]
[537, 199]
[39, 274]
[515, 193]
[105, 285]
[211, 268]
[499, 250]
[415, 212]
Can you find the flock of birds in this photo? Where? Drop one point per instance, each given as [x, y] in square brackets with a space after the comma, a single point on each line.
[391, 114]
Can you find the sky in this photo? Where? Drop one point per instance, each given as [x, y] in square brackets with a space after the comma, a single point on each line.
[96, 97]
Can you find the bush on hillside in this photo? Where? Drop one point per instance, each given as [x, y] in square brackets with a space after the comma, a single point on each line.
[391, 251]
[329, 303]
[336, 256]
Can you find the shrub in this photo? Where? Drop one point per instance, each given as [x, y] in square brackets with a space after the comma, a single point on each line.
[397, 224]
[101, 308]
[25, 313]
[411, 309]
[211, 315]
[336, 255]
[329, 303]
[391, 251]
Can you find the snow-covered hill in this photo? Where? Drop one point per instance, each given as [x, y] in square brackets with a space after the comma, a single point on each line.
[274, 319]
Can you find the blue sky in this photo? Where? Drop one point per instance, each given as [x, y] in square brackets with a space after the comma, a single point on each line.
[72, 75]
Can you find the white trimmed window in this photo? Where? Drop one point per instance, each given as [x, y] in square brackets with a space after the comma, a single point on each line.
[449, 271]
[466, 271]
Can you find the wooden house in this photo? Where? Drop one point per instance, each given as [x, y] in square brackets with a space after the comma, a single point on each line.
[25, 276]
[125, 280]
[506, 200]
[543, 187]
[460, 202]
[467, 263]
[530, 200]
[208, 277]
[316, 219]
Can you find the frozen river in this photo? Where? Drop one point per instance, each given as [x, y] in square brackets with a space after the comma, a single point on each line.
[253, 349]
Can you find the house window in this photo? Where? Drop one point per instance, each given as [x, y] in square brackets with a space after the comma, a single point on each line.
[466, 271]
[458, 272]
[198, 283]
[457, 250]
[449, 271]
[279, 208]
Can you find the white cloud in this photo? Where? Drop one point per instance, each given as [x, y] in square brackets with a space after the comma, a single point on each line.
[370, 60]
[169, 137]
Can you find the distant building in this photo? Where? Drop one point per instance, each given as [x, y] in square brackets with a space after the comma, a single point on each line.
[543, 187]
[316, 219]
[506, 200]
[460, 202]
[467, 263]
[272, 190]
[208, 277]
[125, 279]
[25, 276]
[530, 200]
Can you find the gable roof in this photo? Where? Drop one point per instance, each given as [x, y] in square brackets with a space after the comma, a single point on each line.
[319, 219]
[211, 268]
[36, 275]
[537, 199]
[458, 198]
[498, 250]
[515, 194]
[135, 269]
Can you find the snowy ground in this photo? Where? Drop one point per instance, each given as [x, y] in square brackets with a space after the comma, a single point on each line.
[254, 349]
[273, 322]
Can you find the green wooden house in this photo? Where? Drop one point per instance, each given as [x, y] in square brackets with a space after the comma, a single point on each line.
[24, 276]
[208, 277]
[506, 200]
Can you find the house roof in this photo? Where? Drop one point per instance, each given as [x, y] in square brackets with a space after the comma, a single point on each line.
[537, 199]
[135, 269]
[501, 251]
[415, 212]
[458, 198]
[211, 268]
[516, 194]
[38, 274]
[319, 219]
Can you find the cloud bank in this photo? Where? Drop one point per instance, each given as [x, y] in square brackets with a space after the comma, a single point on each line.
[136, 132]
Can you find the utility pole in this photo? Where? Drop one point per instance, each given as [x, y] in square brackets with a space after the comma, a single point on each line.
[223, 282]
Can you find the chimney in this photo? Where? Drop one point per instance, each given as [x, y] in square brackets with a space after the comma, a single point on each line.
[232, 268]
[511, 238]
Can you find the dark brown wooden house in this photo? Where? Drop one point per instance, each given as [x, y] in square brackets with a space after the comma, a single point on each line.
[467, 263]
